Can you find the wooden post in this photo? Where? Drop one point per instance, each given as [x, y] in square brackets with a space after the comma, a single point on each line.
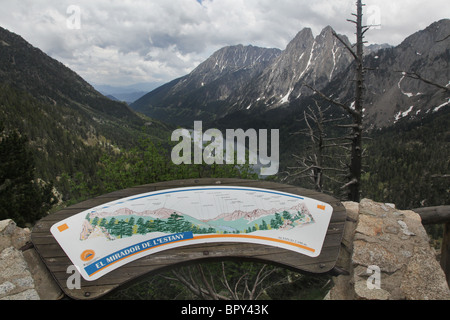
[445, 252]
[438, 215]
[434, 215]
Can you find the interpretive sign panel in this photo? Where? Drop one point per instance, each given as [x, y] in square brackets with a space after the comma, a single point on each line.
[109, 236]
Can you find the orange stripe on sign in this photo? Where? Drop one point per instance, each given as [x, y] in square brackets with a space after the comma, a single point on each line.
[63, 227]
[253, 237]
[321, 207]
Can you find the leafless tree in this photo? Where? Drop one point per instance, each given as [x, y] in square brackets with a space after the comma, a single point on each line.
[315, 163]
[355, 110]
[208, 285]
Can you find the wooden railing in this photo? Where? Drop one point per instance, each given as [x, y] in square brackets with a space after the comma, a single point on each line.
[439, 215]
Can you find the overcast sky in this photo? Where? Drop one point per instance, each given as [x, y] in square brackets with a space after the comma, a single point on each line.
[122, 42]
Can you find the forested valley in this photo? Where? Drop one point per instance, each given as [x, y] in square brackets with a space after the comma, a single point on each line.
[62, 143]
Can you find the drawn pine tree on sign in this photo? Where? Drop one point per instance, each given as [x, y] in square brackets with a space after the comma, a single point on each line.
[120, 227]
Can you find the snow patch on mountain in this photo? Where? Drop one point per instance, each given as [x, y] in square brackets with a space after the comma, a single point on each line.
[285, 99]
[401, 114]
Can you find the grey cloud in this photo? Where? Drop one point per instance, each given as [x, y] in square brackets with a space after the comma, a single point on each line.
[144, 40]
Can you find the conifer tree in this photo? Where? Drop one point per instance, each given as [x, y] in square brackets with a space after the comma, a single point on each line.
[22, 198]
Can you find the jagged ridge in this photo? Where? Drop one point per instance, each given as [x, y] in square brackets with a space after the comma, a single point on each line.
[322, 62]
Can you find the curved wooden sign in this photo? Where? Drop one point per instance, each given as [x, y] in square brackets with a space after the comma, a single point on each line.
[111, 239]
[109, 236]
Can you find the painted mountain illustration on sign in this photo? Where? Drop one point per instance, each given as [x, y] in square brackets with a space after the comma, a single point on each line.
[257, 213]
[160, 213]
[126, 222]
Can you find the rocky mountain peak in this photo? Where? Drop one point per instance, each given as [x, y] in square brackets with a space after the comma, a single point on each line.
[250, 79]
[239, 56]
[432, 36]
[392, 95]
[232, 59]
[208, 86]
[305, 59]
[301, 41]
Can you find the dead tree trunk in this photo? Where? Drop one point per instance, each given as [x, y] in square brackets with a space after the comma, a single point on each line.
[356, 109]
[356, 155]
[354, 184]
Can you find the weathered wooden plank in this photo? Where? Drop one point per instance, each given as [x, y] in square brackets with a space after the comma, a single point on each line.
[434, 215]
[58, 262]
[147, 265]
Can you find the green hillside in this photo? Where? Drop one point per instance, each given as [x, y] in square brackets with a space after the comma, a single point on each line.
[409, 163]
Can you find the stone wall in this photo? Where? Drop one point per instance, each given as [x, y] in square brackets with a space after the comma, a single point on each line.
[23, 276]
[385, 255]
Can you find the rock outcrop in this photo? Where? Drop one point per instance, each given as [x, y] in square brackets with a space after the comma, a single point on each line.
[388, 257]
[23, 276]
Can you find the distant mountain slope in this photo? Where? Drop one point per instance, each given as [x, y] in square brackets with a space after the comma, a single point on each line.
[68, 122]
[204, 92]
[323, 62]
[29, 69]
[247, 78]
[391, 95]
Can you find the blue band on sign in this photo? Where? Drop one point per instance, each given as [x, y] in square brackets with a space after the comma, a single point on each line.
[134, 249]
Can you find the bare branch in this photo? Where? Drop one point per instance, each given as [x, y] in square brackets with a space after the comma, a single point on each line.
[237, 285]
[354, 181]
[346, 45]
[210, 289]
[334, 120]
[440, 176]
[261, 277]
[226, 284]
[189, 282]
[333, 179]
[353, 125]
[345, 107]
[416, 76]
